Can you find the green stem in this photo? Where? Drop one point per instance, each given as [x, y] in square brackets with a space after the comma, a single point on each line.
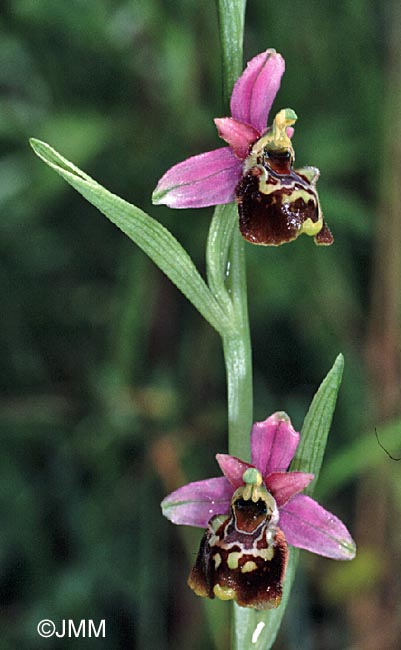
[238, 357]
[225, 259]
[237, 345]
[231, 14]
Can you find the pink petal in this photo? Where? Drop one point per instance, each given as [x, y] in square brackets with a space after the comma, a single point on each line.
[207, 179]
[195, 503]
[285, 485]
[232, 468]
[273, 443]
[238, 135]
[307, 525]
[255, 90]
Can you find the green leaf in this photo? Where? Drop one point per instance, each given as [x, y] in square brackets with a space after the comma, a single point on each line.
[316, 426]
[153, 238]
[258, 630]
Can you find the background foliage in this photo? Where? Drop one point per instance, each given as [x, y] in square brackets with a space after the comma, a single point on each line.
[113, 386]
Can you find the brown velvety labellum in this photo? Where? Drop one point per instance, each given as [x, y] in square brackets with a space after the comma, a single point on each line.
[242, 558]
[324, 237]
[277, 203]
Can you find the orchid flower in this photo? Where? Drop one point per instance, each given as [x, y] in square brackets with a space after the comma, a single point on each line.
[275, 202]
[243, 555]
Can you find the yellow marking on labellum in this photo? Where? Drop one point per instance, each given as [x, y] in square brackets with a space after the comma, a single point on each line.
[249, 566]
[297, 194]
[265, 553]
[217, 521]
[217, 560]
[311, 228]
[232, 559]
[308, 227]
[224, 593]
[269, 188]
[265, 187]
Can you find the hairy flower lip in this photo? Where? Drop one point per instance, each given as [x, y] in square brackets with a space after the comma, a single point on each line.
[304, 522]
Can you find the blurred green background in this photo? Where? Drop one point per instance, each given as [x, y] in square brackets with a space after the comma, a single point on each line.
[105, 407]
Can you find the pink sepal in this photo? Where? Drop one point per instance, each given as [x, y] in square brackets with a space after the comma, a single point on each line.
[285, 485]
[273, 443]
[256, 88]
[207, 179]
[232, 468]
[237, 134]
[195, 503]
[307, 525]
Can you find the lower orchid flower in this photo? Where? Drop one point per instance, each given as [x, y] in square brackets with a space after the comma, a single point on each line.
[251, 514]
[276, 203]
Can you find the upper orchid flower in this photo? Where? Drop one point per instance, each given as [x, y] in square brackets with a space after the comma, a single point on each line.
[251, 513]
[275, 202]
